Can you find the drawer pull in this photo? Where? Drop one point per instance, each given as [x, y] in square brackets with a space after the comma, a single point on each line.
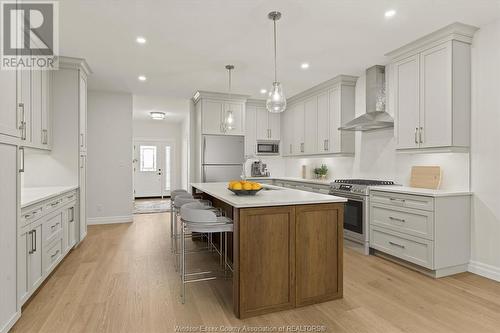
[30, 215]
[55, 254]
[394, 199]
[54, 226]
[397, 219]
[396, 244]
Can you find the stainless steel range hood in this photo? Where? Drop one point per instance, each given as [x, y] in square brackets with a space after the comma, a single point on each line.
[375, 116]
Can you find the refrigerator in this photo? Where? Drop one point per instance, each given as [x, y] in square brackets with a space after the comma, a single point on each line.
[222, 158]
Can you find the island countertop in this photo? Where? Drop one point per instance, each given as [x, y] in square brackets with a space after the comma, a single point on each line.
[268, 196]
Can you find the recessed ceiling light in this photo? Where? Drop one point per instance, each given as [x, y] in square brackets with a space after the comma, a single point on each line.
[155, 115]
[140, 40]
[304, 65]
[141, 78]
[390, 13]
[263, 91]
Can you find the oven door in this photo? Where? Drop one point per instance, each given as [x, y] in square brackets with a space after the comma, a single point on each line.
[354, 216]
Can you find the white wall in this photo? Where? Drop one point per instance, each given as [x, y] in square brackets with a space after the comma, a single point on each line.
[485, 151]
[109, 175]
[164, 130]
[376, 157]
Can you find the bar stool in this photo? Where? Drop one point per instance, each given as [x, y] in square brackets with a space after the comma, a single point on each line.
[196, 218]
[173, 195]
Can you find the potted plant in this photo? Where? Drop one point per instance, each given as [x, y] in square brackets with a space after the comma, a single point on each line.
[321, 172]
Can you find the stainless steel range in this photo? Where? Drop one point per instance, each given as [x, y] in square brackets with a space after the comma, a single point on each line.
[356, 210]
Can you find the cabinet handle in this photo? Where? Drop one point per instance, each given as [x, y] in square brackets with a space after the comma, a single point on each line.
[416, 137]
[394, 199]
[34, 232]
[45, 137]
[397, 219]
[22, 122]
[52, 227]
[420, 134]
[81, 140]
[30, 233]
[21, 168]
[396, 244]
[72, 214]
[290, 148]
[302, 147]
[55, 254]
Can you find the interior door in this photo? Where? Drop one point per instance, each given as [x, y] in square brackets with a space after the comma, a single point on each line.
[153, 171]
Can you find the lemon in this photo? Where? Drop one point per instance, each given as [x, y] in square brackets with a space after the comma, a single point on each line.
[247, 186]
[237, 186]
[256, 186]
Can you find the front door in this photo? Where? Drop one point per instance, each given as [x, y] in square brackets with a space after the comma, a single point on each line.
[152, 168]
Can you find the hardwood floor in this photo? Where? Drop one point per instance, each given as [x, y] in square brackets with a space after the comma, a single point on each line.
[122, 279]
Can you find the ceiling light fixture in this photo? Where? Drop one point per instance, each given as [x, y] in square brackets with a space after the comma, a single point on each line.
[156, 115]
[276, 101]
[390, 13]
[141, 78]
[304, 65]
[263, 91]
[228, 121]
[140, 40]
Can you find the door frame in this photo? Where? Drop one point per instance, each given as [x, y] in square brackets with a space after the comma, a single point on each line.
[173, 152]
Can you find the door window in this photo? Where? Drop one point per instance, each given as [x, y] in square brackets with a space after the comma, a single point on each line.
[147, 158]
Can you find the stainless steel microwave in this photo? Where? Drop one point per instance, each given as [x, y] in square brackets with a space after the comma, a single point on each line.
[268, 148]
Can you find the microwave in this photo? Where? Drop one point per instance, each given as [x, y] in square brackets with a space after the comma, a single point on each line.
[268, 148]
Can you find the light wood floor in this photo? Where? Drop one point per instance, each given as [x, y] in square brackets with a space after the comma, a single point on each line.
[122, 279]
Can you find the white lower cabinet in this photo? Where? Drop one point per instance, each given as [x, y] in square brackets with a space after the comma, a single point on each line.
[432, 233]
[45, 240]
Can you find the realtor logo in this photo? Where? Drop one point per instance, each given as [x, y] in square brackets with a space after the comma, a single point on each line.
[29, 35]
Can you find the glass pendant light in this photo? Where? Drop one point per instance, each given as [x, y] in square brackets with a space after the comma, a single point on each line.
[228, 121]
[276, 101]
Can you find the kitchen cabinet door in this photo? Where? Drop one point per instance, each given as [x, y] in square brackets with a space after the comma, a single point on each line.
[83, 197]
[212, 117]
[287, 126]
[35, 267]
[334, 120]
[251, 128]
[407, 102]
[46, 109]
[9, 122]
[274, 125]
[262, 123]
[23, 253]
[238, 125]
[311, 126]
[36, 107]
[8, 232]
[298, 129]
[24, 103]
[436, 97]
[83, 112]
[323, 124]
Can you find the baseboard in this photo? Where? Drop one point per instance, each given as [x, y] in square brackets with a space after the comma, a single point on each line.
[109, 220]
[488, 271]
[10, 323]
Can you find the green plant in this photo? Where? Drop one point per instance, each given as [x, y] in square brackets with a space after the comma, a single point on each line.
[321, 171]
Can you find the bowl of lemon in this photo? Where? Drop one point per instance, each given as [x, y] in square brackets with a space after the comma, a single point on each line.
[244, 187]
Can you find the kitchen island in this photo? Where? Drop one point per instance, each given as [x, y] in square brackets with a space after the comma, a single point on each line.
[286, 247]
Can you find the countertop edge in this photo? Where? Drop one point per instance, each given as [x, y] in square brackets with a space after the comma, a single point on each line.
[421, 191]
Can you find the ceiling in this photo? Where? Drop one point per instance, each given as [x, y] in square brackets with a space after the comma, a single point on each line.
[175, 109]
[190, 41]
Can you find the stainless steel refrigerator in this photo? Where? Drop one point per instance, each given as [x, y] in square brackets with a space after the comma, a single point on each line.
[222, 157]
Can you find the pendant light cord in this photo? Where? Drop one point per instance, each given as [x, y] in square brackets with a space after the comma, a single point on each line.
[275, 67]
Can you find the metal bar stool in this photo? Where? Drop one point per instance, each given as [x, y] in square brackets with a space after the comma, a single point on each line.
[196, 218]
[173, 195]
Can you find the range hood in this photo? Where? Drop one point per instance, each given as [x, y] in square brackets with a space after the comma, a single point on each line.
[375, 116]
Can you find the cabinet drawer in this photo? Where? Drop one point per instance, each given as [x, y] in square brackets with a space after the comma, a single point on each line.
[416, 250]
[53, 204]
[52, 228]
[414, 222]
[31, 215]
[52, 255]
[403, 200]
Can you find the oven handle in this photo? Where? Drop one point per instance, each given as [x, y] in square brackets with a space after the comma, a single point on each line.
[350, 197]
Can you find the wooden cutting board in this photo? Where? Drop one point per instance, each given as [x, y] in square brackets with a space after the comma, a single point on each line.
[426, 177]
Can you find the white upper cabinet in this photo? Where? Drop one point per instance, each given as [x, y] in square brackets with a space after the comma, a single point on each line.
[9, 116]
[268, 124]
[310, 123]
[432, 90]
[311, 126]
[215, 109]
[250, 132]
[274, 125]
[83, 110]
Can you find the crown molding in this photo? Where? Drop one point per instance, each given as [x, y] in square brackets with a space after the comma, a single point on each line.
[74, 63]
[220, 96]
[256, 102]
[455, 31]
[342, 80]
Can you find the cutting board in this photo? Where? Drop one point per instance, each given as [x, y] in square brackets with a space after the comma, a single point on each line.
[426, 177]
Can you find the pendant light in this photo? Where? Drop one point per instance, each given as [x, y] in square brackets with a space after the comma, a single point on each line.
[276, 101]
[228, 121]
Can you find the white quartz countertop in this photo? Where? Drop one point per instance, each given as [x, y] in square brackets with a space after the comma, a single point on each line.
[274, 196]
[34, 195]
[420, 191]
[294, 179]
